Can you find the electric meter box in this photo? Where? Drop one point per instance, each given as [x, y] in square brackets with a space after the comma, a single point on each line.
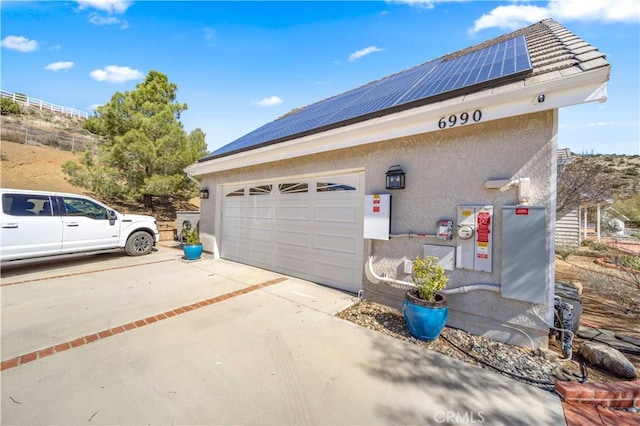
[474, 232]
[377, 216]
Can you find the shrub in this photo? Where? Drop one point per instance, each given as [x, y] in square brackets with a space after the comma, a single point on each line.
[631, 262]
[8, 106]
[565, 250]
[191, 236]
[594, 245]
[429, 277]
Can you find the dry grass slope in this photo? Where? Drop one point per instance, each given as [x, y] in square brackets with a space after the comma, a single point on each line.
[37, 165]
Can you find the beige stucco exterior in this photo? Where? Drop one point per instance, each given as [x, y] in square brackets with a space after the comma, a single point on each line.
[444, 169]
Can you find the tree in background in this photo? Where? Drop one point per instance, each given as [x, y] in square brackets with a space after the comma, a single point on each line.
[630, 207]
[143, 148]
[582, 182]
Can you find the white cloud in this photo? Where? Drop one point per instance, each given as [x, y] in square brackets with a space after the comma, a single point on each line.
[57, 66]
[517, 15]
[425, 4]
[511, 17]
[116, 74]
[364, 52]
[109, 6]
[99, 20]
[597, 10]
[267, 102]
[19, 43]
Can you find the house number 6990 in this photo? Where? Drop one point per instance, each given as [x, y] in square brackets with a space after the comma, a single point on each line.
[459, 119]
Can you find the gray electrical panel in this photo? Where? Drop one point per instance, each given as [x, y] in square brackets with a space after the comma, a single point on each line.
[524, 254]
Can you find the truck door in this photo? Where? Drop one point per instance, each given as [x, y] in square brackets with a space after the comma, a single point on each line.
[29, 227]
[86, 226]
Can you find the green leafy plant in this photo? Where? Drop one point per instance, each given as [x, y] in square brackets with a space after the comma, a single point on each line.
[594, 245]
[565, 250]
[429, 277]
[8, 106]
[631, 262]
[191, 236]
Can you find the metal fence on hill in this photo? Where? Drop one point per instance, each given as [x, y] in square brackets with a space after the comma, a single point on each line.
[35, 136]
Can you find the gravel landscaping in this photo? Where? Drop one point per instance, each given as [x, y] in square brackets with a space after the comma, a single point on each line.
[518, 363]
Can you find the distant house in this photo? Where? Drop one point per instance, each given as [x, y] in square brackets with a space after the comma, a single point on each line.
[568, 224]
[473, 134]
[568, 230]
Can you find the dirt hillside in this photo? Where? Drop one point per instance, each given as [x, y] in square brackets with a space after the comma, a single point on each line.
[35, 167]
[40, 167]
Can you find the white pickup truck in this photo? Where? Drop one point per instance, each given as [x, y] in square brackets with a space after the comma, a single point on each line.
[38, 224]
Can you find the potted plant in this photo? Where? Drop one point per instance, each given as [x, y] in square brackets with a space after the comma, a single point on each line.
[191, 244]
[424, 308]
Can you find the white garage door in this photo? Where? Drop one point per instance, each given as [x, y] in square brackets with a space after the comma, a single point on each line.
[309, 228]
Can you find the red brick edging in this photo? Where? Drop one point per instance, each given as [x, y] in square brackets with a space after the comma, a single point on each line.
[42, 353]
[608, 394]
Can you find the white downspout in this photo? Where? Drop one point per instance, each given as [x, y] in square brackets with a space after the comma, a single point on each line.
[196, 181]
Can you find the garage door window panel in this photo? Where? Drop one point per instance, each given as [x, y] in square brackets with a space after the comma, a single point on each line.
[236, 193]
[332, 187]
[293, 188]
[260, 190]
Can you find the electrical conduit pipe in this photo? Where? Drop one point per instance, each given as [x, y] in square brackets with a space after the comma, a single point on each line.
[457, 290]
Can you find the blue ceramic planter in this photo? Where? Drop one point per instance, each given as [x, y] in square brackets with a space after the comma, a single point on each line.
[425, 320]
[192, 251]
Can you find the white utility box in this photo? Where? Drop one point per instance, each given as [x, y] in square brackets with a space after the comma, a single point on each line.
[377, 216]
[445, 255]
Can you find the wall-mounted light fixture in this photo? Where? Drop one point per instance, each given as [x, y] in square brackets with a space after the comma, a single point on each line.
[204, 193]
[395, 178]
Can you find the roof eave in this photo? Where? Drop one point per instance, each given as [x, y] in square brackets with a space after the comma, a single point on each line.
[510, 100]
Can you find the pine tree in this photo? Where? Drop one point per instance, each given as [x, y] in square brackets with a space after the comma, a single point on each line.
[143, 148]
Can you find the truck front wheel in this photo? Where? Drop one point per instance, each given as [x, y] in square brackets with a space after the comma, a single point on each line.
[139, 243]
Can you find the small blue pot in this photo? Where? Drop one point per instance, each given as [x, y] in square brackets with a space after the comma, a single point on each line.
[425, 320]
[192, 251]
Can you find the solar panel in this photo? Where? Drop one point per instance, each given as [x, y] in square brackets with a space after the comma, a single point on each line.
[444, 77]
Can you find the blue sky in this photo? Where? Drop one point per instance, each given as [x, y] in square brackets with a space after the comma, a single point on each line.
[239, 65]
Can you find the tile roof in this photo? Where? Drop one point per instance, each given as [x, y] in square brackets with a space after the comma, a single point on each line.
[554, 53]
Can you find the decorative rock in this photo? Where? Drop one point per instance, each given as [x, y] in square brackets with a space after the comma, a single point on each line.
[622, 343]
[547, 354]
[629, 339]
[608, 358]
[592, 333]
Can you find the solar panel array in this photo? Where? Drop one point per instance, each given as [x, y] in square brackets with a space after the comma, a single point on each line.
[409, 88]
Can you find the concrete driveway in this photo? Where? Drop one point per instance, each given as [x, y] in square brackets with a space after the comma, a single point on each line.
[155, 340]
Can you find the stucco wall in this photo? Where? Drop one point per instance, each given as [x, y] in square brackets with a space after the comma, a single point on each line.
[444, 169]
